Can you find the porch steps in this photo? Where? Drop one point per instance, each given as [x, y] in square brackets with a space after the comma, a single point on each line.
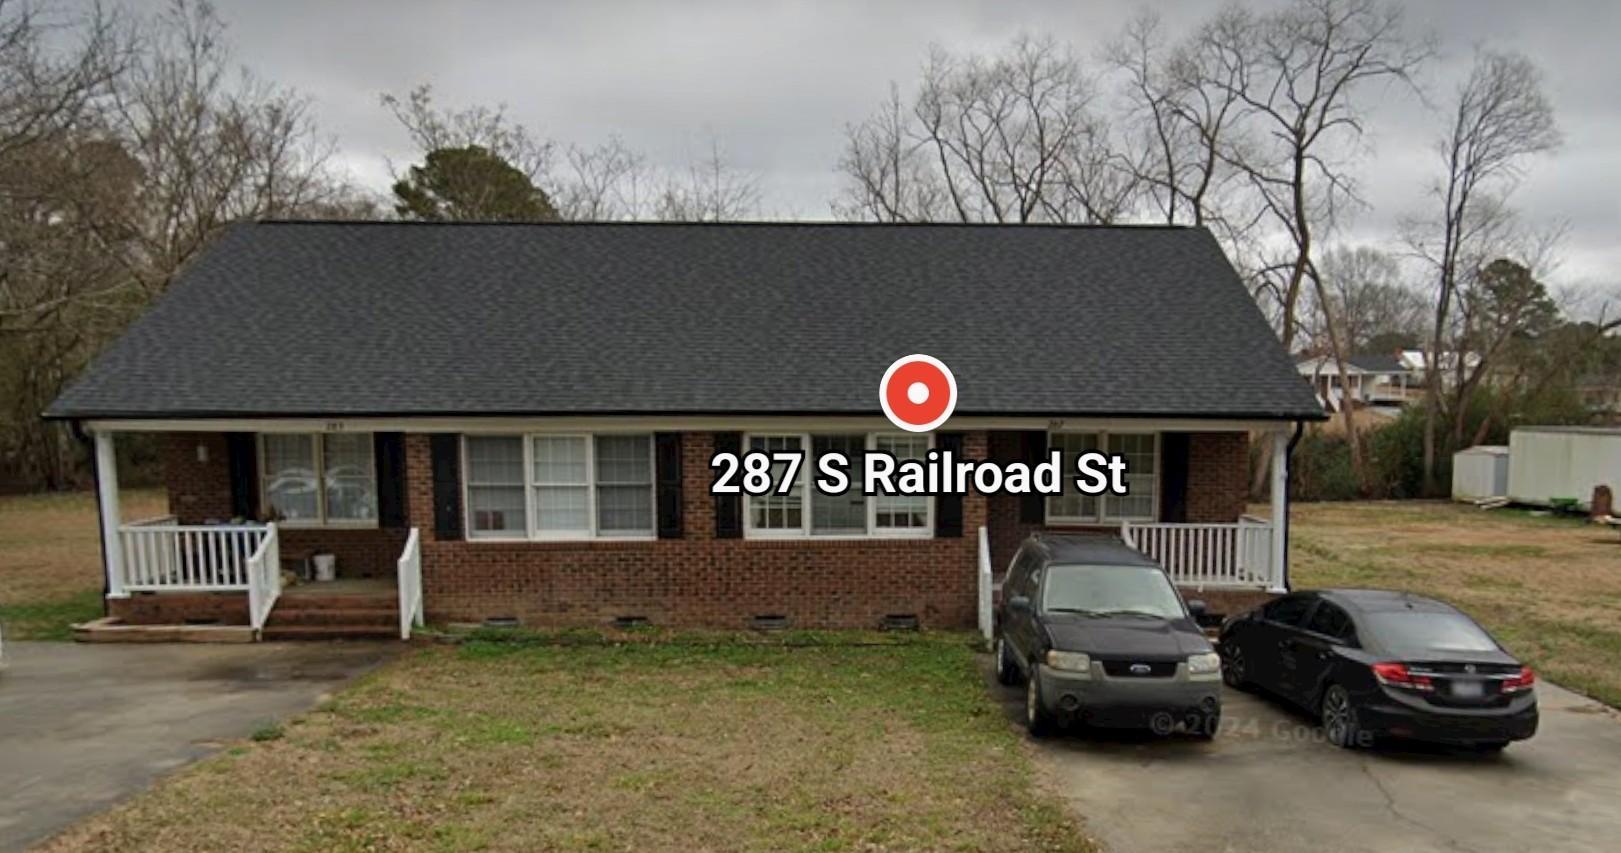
[333, 617]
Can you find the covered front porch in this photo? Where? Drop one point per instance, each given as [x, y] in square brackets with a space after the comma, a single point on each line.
[224, 565]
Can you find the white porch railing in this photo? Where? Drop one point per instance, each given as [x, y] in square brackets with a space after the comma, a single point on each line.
[985, 582]
[1208, 555]
[264, 578]
[410, 585]
[162, 556]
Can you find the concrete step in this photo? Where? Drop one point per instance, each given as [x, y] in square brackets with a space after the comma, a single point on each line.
[330, 632]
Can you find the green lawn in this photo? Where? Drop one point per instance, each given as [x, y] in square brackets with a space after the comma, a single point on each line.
[692, 742]
[1549, 588]
[50, 559]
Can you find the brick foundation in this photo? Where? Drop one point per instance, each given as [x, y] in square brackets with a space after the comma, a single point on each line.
[179, 608]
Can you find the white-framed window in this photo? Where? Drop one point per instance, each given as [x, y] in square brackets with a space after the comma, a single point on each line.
[496, 505]
[806, 511]
[319, 479]
[901, 513]
[1141, 451]
[556, 486]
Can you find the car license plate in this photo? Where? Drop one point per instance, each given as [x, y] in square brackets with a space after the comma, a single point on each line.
[1472, 688]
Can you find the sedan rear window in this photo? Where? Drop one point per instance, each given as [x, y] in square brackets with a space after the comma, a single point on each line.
[1412, 631]
[1124, 590]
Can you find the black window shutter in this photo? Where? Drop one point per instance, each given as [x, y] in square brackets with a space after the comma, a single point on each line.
[242, 452]
[667, 459]
[390, 462]
[445, 449]
[948, 507]
[1173, 478]
[729, 508]
[1033, 449]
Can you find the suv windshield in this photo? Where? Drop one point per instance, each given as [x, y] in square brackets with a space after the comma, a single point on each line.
[1112, 590]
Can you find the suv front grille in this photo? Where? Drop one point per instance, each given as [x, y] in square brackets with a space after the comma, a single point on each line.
[1156, 669]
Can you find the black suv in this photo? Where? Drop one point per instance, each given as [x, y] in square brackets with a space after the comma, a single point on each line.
[1100, 636]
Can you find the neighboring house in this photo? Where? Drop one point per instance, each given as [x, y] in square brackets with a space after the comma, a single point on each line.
[1415, 362]
[1379, 382]
[1601, 394]
[518, 420]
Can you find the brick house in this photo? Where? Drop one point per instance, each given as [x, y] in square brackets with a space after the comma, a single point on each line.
[489, 421]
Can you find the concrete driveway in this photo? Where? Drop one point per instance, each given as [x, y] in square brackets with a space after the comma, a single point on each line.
[83, 726]
[1269, 782]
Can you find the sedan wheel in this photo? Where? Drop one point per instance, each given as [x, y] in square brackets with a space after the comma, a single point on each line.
[1339, 718]
[1234, 669]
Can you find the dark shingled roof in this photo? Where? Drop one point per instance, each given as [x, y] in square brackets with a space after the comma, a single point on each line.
[335, 318]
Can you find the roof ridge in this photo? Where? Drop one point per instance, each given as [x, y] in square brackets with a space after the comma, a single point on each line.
[730, 223]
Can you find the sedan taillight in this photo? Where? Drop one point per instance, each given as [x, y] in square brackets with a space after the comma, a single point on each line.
[1524, 681]
[1397, 675]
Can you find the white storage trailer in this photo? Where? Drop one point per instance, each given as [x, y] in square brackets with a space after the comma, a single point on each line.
[1550, 463]
[1480, 472]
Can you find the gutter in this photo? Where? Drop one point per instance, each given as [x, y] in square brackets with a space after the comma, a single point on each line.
[1288, 498]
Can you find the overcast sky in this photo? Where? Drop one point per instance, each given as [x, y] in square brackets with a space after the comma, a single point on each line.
[776, 83]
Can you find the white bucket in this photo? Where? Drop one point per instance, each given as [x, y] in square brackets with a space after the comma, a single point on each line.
[326, 567]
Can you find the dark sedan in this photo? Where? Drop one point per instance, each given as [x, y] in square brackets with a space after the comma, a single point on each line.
[1373, 663]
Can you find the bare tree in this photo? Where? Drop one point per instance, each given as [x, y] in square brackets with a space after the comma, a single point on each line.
[215, 144]
[1180, 116]
[432, 128]
[712, 190]
[1298, 75]
[606, 182]
[1500, 119]
[887, 171]
[1369, 295]
[1009, 138]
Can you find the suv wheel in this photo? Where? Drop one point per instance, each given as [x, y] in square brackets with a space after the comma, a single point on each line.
[1007, 672]
[1036, 718]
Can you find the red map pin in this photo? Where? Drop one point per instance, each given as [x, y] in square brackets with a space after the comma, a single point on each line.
[918, 393]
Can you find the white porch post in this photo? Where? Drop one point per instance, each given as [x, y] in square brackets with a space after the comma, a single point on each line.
[107, 498]
[1280, 510]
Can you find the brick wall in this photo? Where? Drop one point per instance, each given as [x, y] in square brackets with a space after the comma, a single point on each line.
[1218, 476]
[199, 489]
[697, 580]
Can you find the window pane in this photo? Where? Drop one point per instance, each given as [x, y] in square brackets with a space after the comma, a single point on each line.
[774, 511]
[902, 512]
[496, 510]
[495, 486]
[1072, 504]
[624, 459]
[560, 460]
[351, 486]
[562, 509]
[495, 460]
[1141, 476]
[624, 509]
[624, 484]
[846, 513]
[289, 476]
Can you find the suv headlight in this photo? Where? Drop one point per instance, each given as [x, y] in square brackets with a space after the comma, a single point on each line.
[1204, 665]
[1070, 661]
